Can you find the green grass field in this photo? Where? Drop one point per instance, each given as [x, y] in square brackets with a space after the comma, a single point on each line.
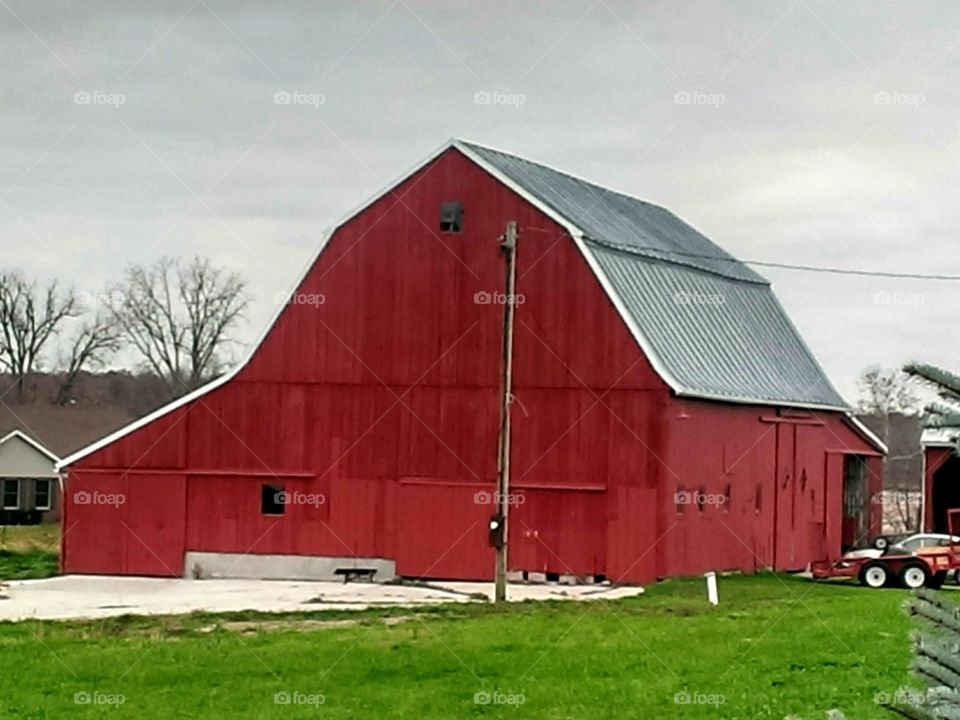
[776, 646]
[29, 551]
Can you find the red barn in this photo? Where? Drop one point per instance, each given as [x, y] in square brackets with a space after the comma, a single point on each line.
[667, 417]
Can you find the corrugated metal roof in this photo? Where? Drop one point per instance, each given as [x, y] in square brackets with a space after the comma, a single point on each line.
[719, 337]
[618, 219]
[710, 325]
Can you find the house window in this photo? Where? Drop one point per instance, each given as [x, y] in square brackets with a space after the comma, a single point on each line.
[272, 500]
[451, 217]
[11, 494]
[41, 495]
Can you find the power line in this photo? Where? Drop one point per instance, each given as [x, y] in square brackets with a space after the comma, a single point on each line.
[642, 250]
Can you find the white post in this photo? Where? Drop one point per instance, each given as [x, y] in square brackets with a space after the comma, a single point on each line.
[712, 594]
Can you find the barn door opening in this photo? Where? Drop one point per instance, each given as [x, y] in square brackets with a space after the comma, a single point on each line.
[946, 493]
[855, 506]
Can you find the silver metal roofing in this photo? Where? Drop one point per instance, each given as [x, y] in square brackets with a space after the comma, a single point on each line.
[710, 325]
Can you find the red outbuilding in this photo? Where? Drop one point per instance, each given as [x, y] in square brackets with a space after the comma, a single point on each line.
[941, 477]
[668, 419]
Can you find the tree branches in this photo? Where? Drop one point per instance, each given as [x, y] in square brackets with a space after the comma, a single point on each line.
[178, 317]
[30, 317]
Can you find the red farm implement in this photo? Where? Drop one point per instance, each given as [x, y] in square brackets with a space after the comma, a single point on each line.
[897, 566]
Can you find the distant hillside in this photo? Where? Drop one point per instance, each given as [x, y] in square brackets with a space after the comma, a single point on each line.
[100, 404]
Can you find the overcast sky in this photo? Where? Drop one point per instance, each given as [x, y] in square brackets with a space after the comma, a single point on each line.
[816, 133]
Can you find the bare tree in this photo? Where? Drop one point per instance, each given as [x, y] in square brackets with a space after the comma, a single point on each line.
[96, 341]
[884, 395]
[179, 316]
[30, 317]
[883, 392]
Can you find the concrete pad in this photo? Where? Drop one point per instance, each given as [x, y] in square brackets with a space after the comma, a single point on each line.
[519, 592]
[92, 596]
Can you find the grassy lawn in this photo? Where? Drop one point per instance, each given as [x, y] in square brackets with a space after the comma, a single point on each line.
[29, 551]
[776, 646]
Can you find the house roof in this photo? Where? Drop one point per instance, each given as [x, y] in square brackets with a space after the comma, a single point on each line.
[710, 325]
[31, 442]
[940, 436]
[744, 350]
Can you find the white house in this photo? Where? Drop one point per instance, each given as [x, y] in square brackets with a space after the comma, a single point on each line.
[29, 483]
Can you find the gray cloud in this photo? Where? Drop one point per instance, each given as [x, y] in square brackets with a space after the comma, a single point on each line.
[799, 158]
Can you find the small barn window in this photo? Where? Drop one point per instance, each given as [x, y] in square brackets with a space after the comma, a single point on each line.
[272, 500]
[451, 217]
[758, 498]
[727, 494]
[41, 495]
[701, 497]
[11, 494]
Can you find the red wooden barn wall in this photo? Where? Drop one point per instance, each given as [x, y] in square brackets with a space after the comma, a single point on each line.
[384, 399]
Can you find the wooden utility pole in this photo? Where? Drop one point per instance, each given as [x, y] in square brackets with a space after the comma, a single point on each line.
[509, 249]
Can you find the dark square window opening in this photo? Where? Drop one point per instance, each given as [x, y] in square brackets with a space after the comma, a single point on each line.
[11, 494]
[272, 500]
[451, 217]
[41, 495]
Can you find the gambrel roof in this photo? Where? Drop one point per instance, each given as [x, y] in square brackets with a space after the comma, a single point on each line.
[709, 325]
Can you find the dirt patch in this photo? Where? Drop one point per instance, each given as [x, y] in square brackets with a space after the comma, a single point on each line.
[307, 625]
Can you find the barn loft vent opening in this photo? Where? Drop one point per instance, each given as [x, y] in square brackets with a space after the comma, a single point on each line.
[451, 216]
[272, 500]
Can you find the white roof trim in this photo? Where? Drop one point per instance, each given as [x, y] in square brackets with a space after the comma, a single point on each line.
[576, 233]
[868, 433]
[31, 442]
[939, 436]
